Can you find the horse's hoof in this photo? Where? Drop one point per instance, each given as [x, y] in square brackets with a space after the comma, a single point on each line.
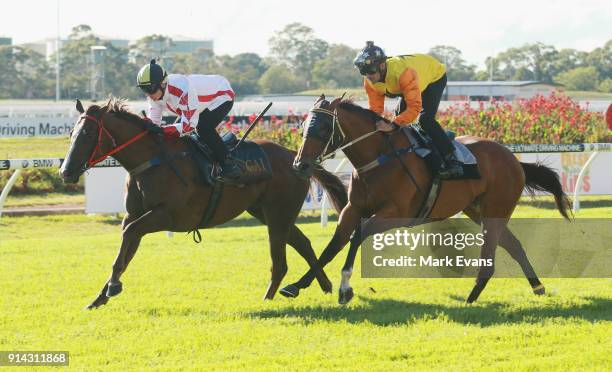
[92, 306]
[114, 289]
[101, 300]
[327, 287]
[344, 296]
[539, 290]
[290, 291]
[471, 298]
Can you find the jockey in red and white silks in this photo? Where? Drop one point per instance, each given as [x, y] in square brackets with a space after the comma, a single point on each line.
[188, 96]
[201, 103]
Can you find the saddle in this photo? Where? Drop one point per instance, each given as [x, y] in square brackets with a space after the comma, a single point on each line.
[250, 157]
[423, 146]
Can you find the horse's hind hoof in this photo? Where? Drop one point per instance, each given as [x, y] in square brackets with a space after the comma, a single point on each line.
[539, 290]
[114, 289]
[344, 296]
[290, 291]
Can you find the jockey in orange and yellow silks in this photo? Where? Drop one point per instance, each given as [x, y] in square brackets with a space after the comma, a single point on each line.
[419, 80]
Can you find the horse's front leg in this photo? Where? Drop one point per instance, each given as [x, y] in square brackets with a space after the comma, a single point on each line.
[381, 222]
[157, 219]
[348, 221]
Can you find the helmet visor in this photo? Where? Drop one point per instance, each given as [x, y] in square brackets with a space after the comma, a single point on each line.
[368, 69]
[149, 88]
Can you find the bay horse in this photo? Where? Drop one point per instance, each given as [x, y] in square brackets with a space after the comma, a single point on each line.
[390, 191]
[158, 200]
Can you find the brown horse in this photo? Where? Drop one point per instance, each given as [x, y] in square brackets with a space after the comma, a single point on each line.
[389, 191]
[158, 200]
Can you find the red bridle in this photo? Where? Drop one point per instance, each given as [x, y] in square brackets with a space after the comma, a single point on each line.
[98, 149]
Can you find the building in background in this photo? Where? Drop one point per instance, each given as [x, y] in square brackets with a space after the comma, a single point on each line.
[189, 45]
[506, 90]
[6, 40]
[47, 47]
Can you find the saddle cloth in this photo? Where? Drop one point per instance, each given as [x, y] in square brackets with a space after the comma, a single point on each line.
[424, 148]
[250, 157]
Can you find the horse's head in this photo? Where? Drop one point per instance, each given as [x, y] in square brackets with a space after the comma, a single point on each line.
[83, 139]
[321, 135]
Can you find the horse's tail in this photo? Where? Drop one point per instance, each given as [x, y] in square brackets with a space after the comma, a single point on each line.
[539, 177]
[334, 187]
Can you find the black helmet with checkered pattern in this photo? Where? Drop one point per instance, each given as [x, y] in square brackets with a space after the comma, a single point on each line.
[369, 58]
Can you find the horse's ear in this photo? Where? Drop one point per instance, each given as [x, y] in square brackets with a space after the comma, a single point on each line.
[79, 106]
[321, 97]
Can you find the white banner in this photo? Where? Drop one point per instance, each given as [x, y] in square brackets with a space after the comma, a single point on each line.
[35, 127]
[597, 179]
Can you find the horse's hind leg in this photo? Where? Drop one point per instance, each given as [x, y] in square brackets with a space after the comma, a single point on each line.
[277, 235]
[302, 245]
[513, 246]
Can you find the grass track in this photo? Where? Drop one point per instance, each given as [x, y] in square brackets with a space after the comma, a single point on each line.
[189, 306]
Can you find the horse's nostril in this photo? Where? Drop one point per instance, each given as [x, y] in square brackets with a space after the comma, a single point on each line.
[64, 173]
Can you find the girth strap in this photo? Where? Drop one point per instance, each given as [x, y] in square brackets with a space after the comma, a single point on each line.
[430, 201]
[211, 207]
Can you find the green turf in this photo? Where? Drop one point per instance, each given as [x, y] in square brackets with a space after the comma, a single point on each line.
[44, 199]
[198, 307]
[34, 147]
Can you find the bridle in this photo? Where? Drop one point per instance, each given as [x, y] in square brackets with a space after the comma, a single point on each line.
[93, 160]
[336, 126]
[371, 165]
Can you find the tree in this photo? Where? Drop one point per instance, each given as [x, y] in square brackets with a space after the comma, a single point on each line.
[580, 78]
[76, 65]
[605, 86]
[456, 67]
[601, 59]
[242, 70]
[75, 62]
[336, 70]
[152, 46]
[199, 62]
[298, 48]
[24, 73]
[568, 59]
[491, 71]
[120, 73]
[536, 58]
[280, 79]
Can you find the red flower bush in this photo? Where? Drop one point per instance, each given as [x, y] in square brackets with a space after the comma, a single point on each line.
[541, 119]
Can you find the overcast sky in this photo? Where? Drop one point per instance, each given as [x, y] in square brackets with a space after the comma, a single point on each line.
[479, 28]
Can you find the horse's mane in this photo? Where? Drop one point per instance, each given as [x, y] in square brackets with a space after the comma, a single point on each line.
[348, 105]
[119, 107]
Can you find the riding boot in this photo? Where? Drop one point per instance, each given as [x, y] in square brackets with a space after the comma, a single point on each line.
[230, 172]
[451, 166]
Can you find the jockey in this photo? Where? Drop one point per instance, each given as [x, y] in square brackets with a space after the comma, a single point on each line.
[201, 102]
[419, 80]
